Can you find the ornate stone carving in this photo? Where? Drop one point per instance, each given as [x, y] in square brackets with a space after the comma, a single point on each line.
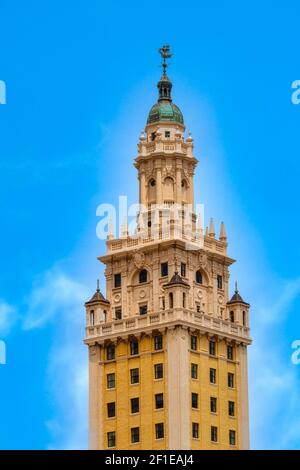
[142, 293]
[93, 350]
[139, 259]
[202, 257]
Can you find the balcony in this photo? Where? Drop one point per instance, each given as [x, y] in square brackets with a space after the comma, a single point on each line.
[137, 324]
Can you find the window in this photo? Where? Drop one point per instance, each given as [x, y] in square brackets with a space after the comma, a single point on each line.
[158, 371]
[135, 405]
[110, 352]
[194, 371]
[230, 380]
[183, 269]
[118, 313]
[158, 342]
[231, 316]
[111, 380]
[92, 318]
[212, 376]
[194, 400]
[134, 376]
[232, 437]
[118, 280]
[152, 183]
[159, 430]
[198, 307]
[219, 281]
[230, 353]
[198, 277]
[213, 405]
[143, 309]
[244, 318]
[214, 434]
[195, 430]
[212, 348]
[164, 269]
[111, 439]
[153, 135]
[111, 410]
[194, 342]
[143, 276]
[159, 400]
[135, 435]
[183, 299]
[171, 300]
[167, 134]
[231, 408]
[134, 348]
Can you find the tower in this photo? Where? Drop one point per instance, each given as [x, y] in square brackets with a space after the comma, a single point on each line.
[167, 348]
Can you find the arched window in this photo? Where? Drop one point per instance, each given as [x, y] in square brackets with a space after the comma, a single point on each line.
[244, 317]
[143, 276]
[168, 189]
[171, 300]
[232, 317]
[183, 300]
[198, 277]
[92, 318]
[151, 190]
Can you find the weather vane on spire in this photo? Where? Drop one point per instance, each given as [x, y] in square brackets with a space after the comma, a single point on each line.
[165, 53]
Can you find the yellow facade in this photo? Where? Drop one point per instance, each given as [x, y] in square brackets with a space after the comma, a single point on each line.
[167, 314]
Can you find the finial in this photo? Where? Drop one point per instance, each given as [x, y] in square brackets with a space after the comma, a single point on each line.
[211, 231]
[165, 53]
[98, 285]
[223, 235]
[236, 288]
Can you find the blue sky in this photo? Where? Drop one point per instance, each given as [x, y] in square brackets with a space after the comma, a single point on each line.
[81, 78]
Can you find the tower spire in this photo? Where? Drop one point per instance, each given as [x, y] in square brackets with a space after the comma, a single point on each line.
[165, 53]
[164, 85]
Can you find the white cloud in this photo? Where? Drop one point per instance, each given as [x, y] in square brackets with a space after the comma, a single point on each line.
[52, 296]
[278, 309]
[59, 299]
[8, 316]
[273, 380]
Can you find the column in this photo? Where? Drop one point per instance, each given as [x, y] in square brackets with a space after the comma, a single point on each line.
[178, 388]
[243, 406]
[178, 186]
[142, 188]
[95, 399]
[159, 198]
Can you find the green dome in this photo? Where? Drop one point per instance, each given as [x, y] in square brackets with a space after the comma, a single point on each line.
[165, 111]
